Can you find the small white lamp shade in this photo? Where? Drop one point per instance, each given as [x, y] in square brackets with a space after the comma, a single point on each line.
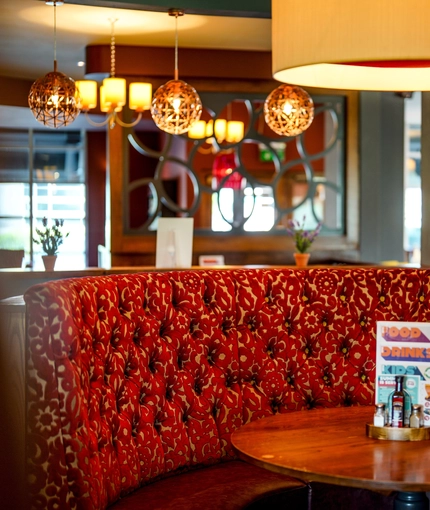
[209, 128]
[220, 129]
[114, 92]
[235, 131]
[197, 130]
[104, 107]
[140, 96]
[88, 94]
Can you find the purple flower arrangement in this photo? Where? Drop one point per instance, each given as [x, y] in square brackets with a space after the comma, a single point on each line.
[50, 238]
[302, 238]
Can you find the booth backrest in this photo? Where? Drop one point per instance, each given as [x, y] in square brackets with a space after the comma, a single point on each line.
[11, 258]
[132, 377]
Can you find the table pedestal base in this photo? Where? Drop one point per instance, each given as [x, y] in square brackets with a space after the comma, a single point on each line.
[411, 501]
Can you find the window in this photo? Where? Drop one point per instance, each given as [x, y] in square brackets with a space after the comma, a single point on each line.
[42, 174]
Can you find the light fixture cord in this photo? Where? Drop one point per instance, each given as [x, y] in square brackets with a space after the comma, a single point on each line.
[176, 47]
[55, 36]
[112, 47]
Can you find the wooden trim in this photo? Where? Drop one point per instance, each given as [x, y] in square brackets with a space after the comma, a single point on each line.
[14, 91]
[156, 62]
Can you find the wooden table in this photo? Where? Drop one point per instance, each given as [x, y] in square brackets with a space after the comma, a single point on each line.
[331, 446]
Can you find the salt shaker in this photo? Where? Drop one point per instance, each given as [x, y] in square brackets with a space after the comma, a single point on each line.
[416, 420]
[379, 416]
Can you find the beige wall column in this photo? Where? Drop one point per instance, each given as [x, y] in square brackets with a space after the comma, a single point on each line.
[425, 179]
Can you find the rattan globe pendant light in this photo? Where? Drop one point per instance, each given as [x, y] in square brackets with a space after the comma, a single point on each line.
[53, 99]
[288, 110]
[176, 106]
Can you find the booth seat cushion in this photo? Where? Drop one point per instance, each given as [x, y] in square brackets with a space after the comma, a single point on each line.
[226, 486]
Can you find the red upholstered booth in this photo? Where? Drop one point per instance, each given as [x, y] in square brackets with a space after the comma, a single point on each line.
[137, 381]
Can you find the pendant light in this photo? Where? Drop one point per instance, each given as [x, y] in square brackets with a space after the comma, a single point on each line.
[53, 99]
[366, 45]
[288, 110]
[113, 94]
[176, 106]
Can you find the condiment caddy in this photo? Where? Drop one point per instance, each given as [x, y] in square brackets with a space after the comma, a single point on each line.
[399, 420]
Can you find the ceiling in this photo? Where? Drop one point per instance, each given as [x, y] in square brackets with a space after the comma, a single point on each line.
[27, 30]
[27, 35]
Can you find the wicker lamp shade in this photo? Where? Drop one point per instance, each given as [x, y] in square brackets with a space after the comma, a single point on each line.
[288, 110]
[53, 100]
[176, 106]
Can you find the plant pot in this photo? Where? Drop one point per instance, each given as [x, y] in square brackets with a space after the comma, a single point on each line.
[302, 259]
[49, 262]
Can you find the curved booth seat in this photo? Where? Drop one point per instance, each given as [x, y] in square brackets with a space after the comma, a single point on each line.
[135, 382]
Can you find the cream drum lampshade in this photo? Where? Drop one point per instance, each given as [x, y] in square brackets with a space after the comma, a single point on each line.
[381, 45]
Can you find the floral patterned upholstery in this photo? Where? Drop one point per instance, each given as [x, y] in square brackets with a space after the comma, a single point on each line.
[132, 377]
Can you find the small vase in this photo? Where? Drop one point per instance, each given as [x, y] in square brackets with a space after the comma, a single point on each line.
[302, 259]
[49, 262]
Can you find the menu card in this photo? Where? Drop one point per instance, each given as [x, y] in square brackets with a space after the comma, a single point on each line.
[174, 243]
[403, 348]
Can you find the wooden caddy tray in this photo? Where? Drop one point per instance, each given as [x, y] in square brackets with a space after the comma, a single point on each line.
[398, 434]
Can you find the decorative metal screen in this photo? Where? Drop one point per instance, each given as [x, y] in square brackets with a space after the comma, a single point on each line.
[267, 179]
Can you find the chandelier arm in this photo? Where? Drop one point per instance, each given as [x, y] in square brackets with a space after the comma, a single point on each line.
[209, 150]
[129, 124]
[94, 123]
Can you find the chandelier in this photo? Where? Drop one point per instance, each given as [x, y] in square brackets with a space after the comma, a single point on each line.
[53, 99]
[288, 110]
[176, 106]
[217, 131]
[113, 94]
[230, 131]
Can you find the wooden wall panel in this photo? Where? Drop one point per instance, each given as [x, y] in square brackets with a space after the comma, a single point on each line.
[96, 194]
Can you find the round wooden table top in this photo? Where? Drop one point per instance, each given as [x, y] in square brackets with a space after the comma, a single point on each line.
[331, 446]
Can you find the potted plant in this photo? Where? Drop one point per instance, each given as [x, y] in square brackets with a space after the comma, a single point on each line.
[50, 239]
[303, 240]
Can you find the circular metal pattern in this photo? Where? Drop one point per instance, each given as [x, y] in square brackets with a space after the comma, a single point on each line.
[175, 107]
[288, 110]
[283, 168]
[53, 100]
